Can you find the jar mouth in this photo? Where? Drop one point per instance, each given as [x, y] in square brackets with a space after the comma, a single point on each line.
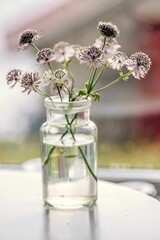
[65, 106]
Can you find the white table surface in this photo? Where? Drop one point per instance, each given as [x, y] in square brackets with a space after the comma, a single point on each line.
[119, 214]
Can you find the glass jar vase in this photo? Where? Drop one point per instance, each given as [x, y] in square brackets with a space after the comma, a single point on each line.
[69, 154]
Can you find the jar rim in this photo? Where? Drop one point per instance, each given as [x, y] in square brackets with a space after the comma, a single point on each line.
[65, 105]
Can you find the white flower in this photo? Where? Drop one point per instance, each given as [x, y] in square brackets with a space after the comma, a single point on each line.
[63, 52]
[77, 51]
[139, 63]
[98, 42]
[61, 88]
[60, 75]
[118, 60]
[44, 56]
[59, 80]
[61, 83]
[92, 57]
[47, 78]
[110, 48]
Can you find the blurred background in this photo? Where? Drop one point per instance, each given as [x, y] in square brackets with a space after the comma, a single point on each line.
[128, 116]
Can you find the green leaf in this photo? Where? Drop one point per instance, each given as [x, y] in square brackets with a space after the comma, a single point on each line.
[82, 92]
[96, 96]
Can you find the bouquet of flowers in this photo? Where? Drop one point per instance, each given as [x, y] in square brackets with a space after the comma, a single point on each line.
[102, 54]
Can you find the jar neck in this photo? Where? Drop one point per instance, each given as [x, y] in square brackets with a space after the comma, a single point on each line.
[77, 117]
[77, 112]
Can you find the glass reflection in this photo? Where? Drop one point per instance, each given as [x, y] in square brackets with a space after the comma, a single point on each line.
[71, 224]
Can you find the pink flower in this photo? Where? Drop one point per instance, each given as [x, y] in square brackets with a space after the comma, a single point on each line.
[61, 83]
[61, 87]
[30, 81]
[110, 48]
[139, 63]
[92, 56]
[63, 52]
[44, 56]
[14, 76]
[27, 37]
[118, 60]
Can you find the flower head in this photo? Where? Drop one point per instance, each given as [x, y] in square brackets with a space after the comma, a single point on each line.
[139, 63]
[118, 60]
[58, 75]
[77, 50]
[63, 52]
[92, 57]
[61, 83]
[13, 77]
[27, 37]
[47, 78]
[108, 29]
[44, 56]
[59, 80]
[30, 81]
[110, 48]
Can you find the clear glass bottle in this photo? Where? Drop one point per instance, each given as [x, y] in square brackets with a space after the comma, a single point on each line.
[69, 154]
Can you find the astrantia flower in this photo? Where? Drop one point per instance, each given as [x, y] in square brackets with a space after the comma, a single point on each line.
[110, 48]
[62, 83]
[92, 57]
[14, 76]
[47, 78]
[77, 50]
[27, 37]
[63, 52]
[108, 29]
[44, 56]
[119, 60]
[60, 75]
[55, 76]
[139, 63]
[30, 81]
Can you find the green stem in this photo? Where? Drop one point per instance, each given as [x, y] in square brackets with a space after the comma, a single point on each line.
[35, 47]
[69, 123]
[49, 154]
[93, 73]
[91, 79]
[110, 84]
[104, 43]
[64, 134]
[87, 164]
[66, 116]
[69, 93]
[122, 77]
[75, 116]
[80, 149]
[71, 75]
[43, 94]
[50, 67]
[98, 77]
